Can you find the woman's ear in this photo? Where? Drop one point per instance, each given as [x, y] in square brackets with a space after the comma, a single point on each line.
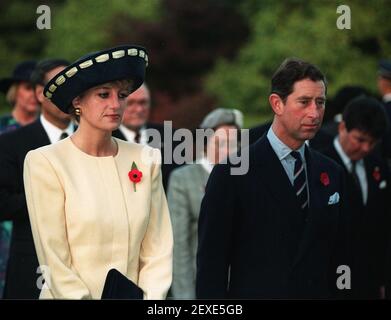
[76, 102]
[276, 103]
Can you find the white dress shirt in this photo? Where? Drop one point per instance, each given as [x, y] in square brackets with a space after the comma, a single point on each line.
[387, 97]
[360, 168]
[205, 163]
[283, 153]
[130, 135]
[53, 132]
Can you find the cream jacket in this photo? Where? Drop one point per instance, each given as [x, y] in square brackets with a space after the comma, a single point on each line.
[86, 218]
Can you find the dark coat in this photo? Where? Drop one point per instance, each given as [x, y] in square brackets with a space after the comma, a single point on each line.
[22, 266]
[252, 228]
[369, 225]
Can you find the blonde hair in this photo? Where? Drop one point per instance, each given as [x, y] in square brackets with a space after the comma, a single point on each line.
[11, 94]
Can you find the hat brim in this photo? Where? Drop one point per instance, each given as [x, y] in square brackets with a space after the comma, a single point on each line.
[119, 63]
[6, 83]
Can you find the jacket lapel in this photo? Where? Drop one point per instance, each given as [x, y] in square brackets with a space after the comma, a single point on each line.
[277, 180]
[313, 175]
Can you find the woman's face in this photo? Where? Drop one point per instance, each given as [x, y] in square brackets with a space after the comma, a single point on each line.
[223, 142]
[102, 107]
[25, 98]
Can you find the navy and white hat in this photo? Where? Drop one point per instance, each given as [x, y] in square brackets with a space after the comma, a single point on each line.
[126, 62]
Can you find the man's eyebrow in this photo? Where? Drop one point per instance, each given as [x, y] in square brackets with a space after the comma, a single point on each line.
[309, 98]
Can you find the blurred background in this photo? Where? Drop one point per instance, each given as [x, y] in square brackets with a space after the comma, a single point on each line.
[207, 53]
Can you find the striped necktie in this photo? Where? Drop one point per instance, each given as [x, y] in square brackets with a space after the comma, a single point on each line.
[300, 181]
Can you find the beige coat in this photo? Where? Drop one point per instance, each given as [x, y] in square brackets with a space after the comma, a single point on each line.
[86, 218]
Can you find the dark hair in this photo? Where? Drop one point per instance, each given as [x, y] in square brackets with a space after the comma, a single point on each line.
[291, 71]
[366, 114]
[43, 67]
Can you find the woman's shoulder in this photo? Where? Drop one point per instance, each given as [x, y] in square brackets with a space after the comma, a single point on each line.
[49, 150]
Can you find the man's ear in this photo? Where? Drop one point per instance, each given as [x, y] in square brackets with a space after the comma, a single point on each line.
[341, 127]
[276, 103]
[39, 93]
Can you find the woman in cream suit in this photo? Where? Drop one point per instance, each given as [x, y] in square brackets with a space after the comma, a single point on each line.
[96, 202]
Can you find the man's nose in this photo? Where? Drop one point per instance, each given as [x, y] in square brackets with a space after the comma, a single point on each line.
[314, 111]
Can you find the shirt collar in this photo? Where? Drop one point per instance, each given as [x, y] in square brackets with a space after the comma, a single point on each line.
[280, 148]
[387, 97]
[130, 135]
[53, 132]
[345, 159]
[205, 164]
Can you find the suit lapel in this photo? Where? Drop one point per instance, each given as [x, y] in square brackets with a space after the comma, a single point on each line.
[277, 180]
[314, 170]
[40, 134]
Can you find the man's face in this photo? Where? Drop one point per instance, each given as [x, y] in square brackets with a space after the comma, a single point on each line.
[356, 143]
[137, 109]
[223, 142]
[300, 117]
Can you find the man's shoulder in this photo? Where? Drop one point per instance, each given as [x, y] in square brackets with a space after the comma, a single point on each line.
[326, 160]
[20, 135]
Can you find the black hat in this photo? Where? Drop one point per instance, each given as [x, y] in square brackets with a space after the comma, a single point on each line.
[385, 69]
[119, 63]
[22, 72]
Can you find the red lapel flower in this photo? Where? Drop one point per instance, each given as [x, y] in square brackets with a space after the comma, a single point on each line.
[135, 175]
[324, 179]
[376, 174]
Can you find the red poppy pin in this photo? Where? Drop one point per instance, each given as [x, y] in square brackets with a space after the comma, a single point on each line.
[376, 174]
[324, 179]
[135, 175]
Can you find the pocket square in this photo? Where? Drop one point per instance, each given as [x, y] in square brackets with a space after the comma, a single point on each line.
[383, 184]
[334, 198]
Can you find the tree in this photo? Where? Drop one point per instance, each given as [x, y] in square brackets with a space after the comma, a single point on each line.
[305, 29]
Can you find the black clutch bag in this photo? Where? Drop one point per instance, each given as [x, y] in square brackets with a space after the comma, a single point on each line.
[117, 286]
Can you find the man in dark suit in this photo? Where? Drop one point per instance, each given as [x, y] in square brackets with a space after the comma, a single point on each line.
[52, 125]
[136, 128]
[367, 190]
[273, 232]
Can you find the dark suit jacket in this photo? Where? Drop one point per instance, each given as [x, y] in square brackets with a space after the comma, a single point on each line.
[252, 228]
[21, 274]
[369, 225]
[166, 167]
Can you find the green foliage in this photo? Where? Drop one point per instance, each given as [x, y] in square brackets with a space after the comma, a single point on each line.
[85, 26]
[305, 29]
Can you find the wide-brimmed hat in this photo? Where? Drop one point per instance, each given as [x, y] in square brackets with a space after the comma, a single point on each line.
[119, 63]
[222, 116]
[22, 72]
